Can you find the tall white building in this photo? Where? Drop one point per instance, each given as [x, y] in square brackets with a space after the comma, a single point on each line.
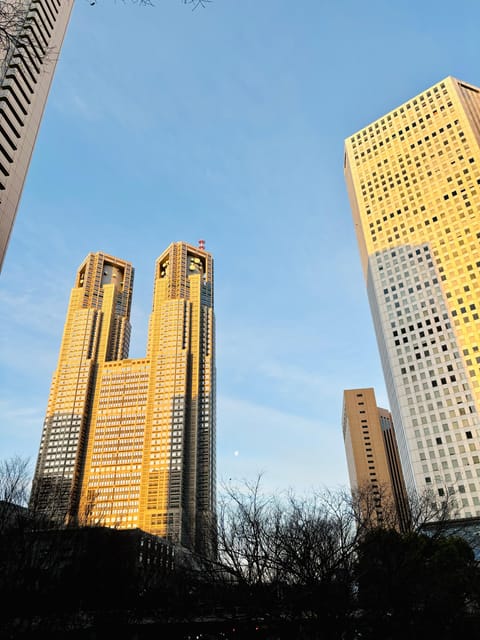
[413, 178]
[27, 66]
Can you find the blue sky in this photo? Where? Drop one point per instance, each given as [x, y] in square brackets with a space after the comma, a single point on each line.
[226, 124]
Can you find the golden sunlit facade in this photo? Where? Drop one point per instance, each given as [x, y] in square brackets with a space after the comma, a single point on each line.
[143, 450]
[373, 462]
[413, 178]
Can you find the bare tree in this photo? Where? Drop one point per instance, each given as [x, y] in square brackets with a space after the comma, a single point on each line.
[14, 480]
[289, 539]
[427, 508]
[12, 19]
[376, 508]
[315, 539]
[296, 559]
[14, 490]
[244, 532]
[291, 557]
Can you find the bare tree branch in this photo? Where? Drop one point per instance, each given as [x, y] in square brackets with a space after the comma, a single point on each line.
[197, 3]
[14, 480]
[149, 3]
[14, 14]
[14, 489]
[12, 20]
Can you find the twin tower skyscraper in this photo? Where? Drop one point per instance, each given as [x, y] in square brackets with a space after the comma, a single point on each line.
[126, 442]
[130, 443]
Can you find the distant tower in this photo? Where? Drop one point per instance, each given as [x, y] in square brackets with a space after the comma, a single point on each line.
[372, 456]
[97, 331]
[26, 72]
[131, 443]
[413, 178]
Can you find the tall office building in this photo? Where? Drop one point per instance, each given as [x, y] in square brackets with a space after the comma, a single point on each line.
[373, 462]
[413, 179]
[130, 443]
[27, 65]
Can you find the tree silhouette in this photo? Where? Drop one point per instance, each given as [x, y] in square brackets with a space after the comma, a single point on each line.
[413, 585]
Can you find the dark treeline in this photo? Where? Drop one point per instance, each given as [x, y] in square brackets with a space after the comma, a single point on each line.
[324, 566]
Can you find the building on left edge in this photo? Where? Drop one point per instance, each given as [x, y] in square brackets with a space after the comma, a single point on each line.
[27, 65]
[130, 443]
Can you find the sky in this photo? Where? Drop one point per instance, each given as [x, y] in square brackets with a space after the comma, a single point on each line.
[225, 124]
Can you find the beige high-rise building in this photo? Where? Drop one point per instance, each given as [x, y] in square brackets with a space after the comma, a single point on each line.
[27, 65]
[372, 457]
[130, 443]
[413, 179]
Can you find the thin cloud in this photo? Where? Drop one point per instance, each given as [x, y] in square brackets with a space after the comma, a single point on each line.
[285, 447]
[21, 428]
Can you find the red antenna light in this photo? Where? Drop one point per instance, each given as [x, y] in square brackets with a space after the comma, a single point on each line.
[201, 245]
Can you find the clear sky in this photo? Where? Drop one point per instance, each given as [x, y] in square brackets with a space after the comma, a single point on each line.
[225, 124]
